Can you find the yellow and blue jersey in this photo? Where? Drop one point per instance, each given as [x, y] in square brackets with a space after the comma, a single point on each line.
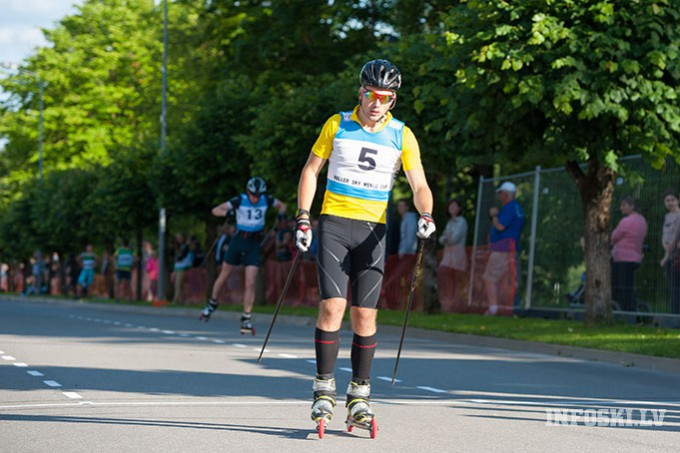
[363, 165]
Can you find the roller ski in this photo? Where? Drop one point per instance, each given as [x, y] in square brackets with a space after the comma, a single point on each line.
[359, 413]
[324, 403]
[210, 307]
[247, 324]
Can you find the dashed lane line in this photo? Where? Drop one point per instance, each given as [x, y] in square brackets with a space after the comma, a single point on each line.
[20, 364]
[388, 379]
[8, 358]
[284, 355]
[431, 389]
[52, 383]
[35, 373]
[72, 395]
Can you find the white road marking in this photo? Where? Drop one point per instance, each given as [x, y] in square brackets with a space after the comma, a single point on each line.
[349, 370]
[153, 329]
[2, 352]
[20, 364]
[72, 395]
[35, 373]
[219, 341]
[312, 361]
[239, 345]
[431, 389]
[116, 323]
[288, 356]
[52, 383]
[169, 332]
[201, 338]
[184, 335]
[128, 325]
[258, 350]
[8, 357]
[388, 379]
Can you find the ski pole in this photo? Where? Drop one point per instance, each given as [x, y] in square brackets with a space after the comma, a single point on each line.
[414, 281]
[278, 304]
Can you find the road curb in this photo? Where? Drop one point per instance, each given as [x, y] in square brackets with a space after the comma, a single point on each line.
[625, 359]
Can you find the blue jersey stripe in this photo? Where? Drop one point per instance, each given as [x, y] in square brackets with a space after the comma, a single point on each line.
[390, 136]
[366, 194]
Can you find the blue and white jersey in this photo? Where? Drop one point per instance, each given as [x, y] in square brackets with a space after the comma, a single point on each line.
[378, 156]
[250, 217]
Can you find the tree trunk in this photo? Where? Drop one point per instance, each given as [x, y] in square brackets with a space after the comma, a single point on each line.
[596, 188]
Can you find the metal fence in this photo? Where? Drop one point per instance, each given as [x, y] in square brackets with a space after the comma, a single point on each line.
[552, 262]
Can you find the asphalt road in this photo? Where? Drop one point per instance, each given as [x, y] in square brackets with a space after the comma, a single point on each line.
[80, 377]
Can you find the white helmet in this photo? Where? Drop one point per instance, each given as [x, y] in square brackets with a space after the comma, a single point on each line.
[256, 186]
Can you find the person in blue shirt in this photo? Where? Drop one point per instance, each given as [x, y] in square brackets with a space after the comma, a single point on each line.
[244, 246]
[408, 241]
[506, 228]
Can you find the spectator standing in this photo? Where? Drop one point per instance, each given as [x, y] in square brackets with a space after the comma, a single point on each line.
[88, 261]
[196, 250]
[627, 240]
[454, 257]
[284, 242]
[125, 259]
[670, 235]
[506, 229]
[72, 274]
[151, 269]
[184, 260]
[408, 242]
[4, 277]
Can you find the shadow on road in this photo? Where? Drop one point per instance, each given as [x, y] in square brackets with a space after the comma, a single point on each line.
[289, 433]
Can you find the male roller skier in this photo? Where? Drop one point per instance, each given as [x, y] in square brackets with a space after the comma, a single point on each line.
[365, 148]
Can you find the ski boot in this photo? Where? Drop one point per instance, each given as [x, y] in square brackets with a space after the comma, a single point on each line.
[324, 403]
[210, 307]
[247, 324]
[359, 413]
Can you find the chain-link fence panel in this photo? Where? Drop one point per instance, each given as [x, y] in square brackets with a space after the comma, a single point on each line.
[550, 264]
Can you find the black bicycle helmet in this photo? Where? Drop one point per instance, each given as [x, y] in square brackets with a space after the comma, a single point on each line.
[380, 74]
[256, 186]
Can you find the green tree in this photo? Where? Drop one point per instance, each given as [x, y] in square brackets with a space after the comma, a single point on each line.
[566, 82]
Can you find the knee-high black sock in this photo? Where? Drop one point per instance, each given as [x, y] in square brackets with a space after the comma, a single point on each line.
[363, 350]
[326, 345]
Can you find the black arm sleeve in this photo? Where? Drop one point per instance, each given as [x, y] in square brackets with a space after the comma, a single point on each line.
[235, 203]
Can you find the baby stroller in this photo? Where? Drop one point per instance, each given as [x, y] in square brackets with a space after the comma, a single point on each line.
[576, 297]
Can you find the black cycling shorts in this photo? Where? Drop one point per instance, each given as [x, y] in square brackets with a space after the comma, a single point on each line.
[354, 251]
[244, 249]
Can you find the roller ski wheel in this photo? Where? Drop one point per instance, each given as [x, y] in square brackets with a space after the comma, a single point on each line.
[371, 427]
[250, 331]
[321, 425]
